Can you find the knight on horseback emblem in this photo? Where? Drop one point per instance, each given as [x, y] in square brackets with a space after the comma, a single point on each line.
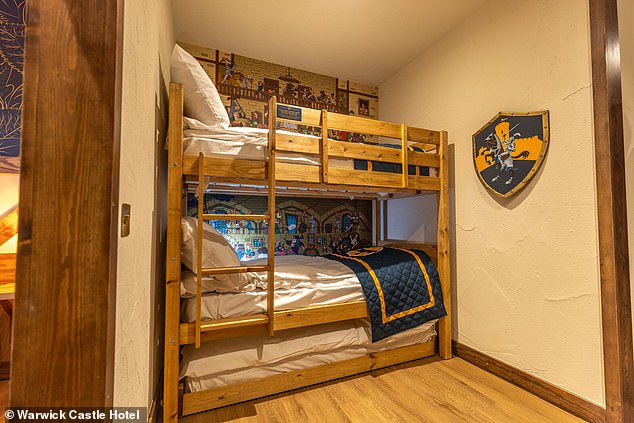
[499, 165]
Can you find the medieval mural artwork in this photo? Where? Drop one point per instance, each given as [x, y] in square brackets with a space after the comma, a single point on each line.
[509, 149]
[12, 30]
[245, 86]
[303, 226]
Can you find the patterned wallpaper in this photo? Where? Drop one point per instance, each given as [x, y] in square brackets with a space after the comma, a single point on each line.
[245, 85]
[305, 226]
[12, 34]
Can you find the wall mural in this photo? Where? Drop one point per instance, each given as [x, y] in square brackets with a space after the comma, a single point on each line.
[12, 33]
[246, 84]
[302, 226]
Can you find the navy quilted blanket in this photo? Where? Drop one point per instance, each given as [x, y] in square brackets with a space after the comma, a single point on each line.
[402, 288]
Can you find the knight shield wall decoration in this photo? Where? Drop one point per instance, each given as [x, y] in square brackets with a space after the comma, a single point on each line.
[509, 149]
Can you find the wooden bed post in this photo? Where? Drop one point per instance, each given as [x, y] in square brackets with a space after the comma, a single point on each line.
[384, 220]
[444, 263]
[377, 221]
[323, 147]
[199, 241]
[404, 161]
[173, 266]
[270, 294]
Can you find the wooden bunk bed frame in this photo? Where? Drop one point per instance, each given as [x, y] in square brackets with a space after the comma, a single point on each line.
[271, 178]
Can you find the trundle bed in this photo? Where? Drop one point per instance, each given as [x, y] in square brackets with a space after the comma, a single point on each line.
[290, 321]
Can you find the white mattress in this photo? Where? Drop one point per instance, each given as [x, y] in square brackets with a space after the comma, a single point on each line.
[246, 143]
[242, 359]
[300, 281]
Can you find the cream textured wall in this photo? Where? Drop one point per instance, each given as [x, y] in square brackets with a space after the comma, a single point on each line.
[525, 270]
[148, 41]
[626, 34]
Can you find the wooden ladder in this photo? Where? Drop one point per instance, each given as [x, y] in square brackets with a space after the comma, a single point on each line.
[254, 319]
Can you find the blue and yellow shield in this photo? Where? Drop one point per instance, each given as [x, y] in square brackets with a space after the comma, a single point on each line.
[509, 149]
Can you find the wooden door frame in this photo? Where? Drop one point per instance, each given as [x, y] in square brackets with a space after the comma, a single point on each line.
[64, 319]
[612, 212]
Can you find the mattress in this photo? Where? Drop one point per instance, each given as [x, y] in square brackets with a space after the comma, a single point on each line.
[247, 144]
[300, 281]
[243, 359]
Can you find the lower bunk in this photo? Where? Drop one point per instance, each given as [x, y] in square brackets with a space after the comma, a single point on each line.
[235, 370]
[239, 368]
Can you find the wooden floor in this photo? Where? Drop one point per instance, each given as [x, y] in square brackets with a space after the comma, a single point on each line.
[422, 391]
[426, 391]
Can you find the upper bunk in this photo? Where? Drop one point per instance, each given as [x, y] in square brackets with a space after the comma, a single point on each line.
[311, 159]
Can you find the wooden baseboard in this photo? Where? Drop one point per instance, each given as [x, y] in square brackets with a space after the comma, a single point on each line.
[5, 370]
[544, 390]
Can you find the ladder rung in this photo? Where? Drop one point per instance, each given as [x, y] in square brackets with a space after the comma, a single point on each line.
[236, 217]
[237, 269]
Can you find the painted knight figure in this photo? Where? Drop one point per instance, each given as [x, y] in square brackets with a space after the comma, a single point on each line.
[509, 149]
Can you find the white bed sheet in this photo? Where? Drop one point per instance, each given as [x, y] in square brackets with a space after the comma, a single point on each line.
[248, 358]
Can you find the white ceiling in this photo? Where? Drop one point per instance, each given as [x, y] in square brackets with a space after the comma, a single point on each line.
[361, 40]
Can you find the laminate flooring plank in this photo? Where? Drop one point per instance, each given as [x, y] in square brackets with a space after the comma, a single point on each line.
[429, 390]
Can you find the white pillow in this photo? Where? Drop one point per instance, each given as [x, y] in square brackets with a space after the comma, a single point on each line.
[202, 101]
[217, 252]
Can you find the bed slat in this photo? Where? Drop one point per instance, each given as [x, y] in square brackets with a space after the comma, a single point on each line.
[418, 158]
[364, 152]
[187, 332]
[218, 166]
[297, 143]
[297, 172]
[425, 183]
[423, 135]
[360, 177]
[317, 315]
[284, 319]
[364, 126]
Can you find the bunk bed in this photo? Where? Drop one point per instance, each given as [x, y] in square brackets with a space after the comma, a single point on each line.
[329, 171]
